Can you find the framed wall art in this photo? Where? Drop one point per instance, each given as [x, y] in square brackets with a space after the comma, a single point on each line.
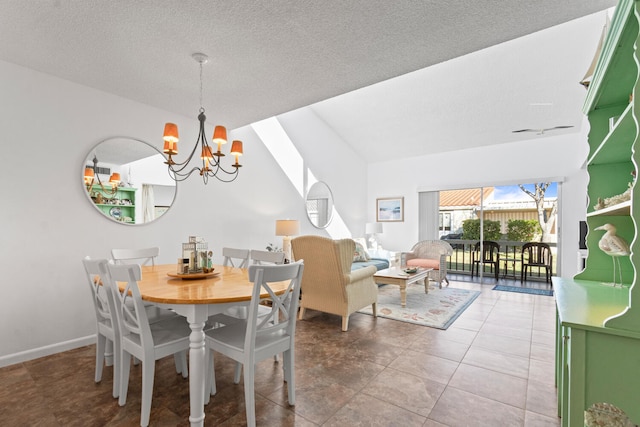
[390, 209]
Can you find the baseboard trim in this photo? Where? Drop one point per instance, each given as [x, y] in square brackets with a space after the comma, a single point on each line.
[23, 356]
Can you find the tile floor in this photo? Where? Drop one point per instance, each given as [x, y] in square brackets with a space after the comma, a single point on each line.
[493, 367]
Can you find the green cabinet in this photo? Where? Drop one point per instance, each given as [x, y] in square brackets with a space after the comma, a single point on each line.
[120, 206]
[594, 363]
[598, 324]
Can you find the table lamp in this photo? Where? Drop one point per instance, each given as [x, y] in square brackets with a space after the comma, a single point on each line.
[373, 228]
[287, 228]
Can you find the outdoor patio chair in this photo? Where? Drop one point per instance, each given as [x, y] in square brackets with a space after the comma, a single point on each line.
[536, 254]
[490, 255]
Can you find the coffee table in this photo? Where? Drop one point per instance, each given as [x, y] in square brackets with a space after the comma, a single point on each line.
[397, 276]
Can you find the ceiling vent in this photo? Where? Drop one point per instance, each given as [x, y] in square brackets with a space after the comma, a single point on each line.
[101, 171]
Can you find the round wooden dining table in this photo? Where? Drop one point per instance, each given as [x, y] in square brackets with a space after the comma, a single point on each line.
[196, 300]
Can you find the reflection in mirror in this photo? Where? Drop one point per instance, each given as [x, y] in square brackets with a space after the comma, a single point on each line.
[126, 180]
[319, 204]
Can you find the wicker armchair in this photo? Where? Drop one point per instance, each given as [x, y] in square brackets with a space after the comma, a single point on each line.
[328, 284]
[429, 254]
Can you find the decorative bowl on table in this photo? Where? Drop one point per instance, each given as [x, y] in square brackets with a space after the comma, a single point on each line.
[410, 270]
[194, 275]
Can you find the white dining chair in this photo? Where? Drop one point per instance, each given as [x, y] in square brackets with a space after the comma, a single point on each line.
[259, 257]
[142, 256]
[233, 256]
[107, 332]
[243, 257]
[266, 257]
[259, 338]
[146, 341]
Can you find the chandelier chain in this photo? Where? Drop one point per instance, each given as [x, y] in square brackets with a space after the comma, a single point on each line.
[201, 106]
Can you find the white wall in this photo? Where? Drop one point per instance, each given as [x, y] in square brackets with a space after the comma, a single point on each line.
[553, 157]
[48, 225]
[332, 161]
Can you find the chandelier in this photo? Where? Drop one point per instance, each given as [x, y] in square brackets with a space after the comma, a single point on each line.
[92, 177]
[211, 161]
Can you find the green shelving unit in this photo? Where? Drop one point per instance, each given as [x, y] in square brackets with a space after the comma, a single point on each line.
[118, 212]
[598, 324]
[612, 159]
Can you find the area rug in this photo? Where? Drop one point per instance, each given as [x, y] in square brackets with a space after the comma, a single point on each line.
[534, 291]
[437, 309]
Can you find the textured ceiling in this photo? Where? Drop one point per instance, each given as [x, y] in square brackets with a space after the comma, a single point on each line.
[273, 56]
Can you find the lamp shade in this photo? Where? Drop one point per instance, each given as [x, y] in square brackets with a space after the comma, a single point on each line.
[287, 227]
[170, 132]
[373, 228]
[170, 138]
[115, 177]
[236, 148]
[220, 135]
[88, 176]
[206, 153]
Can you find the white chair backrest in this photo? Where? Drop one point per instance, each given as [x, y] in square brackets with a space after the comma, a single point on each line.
[130, 311]
[99, 294]
[266, 257]
[285, 305]
[241, 256]
[143, 256]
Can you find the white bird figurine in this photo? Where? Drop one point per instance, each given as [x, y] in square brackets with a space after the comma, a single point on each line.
[614, 246]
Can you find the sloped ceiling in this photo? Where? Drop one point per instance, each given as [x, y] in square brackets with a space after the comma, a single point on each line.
[393, 78]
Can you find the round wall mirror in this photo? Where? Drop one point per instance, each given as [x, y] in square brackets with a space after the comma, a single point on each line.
[319, 204]
[126, 180]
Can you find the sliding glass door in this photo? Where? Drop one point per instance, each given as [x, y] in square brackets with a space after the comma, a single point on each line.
[509, 214]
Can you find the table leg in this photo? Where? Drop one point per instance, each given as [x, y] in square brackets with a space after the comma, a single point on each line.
[197, 367]
[403, 294]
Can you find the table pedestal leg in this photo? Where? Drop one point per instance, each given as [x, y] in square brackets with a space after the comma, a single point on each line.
[197, 372]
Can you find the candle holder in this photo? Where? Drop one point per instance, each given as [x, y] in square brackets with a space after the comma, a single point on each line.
[197, 254]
